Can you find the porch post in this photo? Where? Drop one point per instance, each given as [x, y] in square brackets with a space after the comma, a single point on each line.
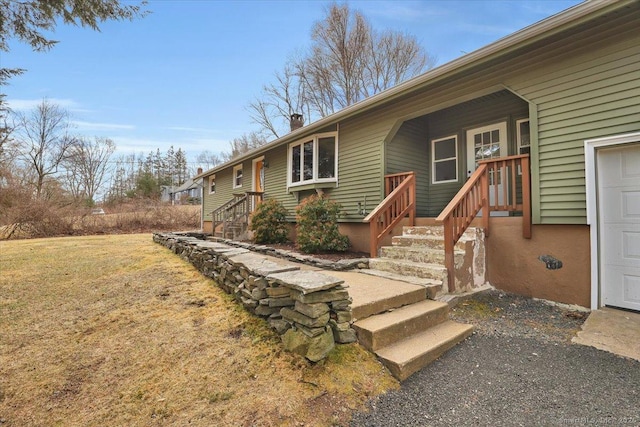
[448, 253]
[486, 213]
[526, 198]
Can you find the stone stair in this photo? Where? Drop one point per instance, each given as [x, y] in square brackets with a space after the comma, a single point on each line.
[404, 329]
[419, 254]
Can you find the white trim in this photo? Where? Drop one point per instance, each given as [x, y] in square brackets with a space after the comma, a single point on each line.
[504, 148]
[253, 172]
[519, 135]
[591, 146]
[211, 178]
[433, 159]
[235, 169]
[519, 139]
[503, 46]
[314, 179]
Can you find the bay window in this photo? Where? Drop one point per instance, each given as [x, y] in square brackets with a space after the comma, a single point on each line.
[313, 160]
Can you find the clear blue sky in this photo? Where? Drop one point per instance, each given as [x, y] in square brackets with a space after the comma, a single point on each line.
[183, 76]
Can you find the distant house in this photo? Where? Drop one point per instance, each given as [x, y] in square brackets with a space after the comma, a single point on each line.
[189, 193]
[542, 127]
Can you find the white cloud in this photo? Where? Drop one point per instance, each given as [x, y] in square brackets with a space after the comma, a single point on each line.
[403, 11]
[29, 104]
[127, 145]
[190, 129]
[101, 126]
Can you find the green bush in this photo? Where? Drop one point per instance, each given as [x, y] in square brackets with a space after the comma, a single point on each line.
[269, 222]
[317, 226]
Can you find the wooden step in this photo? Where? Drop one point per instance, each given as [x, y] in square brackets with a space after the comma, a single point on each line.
[381, 330]
[405, 357]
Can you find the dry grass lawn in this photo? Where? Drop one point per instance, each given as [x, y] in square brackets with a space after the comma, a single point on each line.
[116, 330]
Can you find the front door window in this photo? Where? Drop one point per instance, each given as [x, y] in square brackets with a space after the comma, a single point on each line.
[489, 142]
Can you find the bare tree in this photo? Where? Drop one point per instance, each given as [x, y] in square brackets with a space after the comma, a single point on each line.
[6, 129]
[280, 100]
[347, 62]
[43, 140]
[243, 144]
[207, 160]
[87, 165]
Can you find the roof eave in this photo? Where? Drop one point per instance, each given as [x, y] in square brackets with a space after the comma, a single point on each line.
[485, 53]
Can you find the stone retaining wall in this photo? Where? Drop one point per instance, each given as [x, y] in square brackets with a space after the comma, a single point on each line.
[343, 264]
[309, 309]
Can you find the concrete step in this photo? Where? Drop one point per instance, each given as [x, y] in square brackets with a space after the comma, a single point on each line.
[405, 357]
[419, 254]
[433, 287]
[431, 242]
[384, 329]
[377, 295]
[432, 230]
[410, 268]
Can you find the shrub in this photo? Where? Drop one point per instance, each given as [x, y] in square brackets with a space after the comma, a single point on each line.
[269, 222]
[317, 226]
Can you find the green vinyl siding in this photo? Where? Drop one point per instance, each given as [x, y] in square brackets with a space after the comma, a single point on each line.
[498, 107]
[360, 169]
[591, 94]
[574, 84]
[408, 151]
[224, 190]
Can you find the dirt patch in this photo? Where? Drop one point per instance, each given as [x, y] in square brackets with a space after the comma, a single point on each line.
[499, 313]
[117, 330]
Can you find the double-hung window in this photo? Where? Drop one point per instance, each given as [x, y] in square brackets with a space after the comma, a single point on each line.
[237, 176]
[523, 136]
[212, 184]
[444, 155]
[314, 160]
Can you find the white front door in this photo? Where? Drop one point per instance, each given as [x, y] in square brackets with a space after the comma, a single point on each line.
[488, 142]
[618, 171]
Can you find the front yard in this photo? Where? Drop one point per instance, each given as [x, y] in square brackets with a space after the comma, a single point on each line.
[116, 330]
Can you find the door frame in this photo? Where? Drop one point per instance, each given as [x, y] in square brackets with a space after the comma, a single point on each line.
[502, 126]
[254, 169]
[591, 147]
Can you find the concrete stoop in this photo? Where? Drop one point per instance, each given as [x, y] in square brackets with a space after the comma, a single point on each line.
[419, 254]
[405, 330]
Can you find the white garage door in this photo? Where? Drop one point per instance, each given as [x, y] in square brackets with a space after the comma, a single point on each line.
[619, 217]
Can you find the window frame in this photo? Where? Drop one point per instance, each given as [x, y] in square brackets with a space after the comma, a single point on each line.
[519, 145]
[519, 135]
[315, 139]
[237, 168]
[212, 180]
[434, 161]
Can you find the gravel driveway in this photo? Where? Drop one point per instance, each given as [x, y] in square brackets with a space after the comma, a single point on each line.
[518, 369]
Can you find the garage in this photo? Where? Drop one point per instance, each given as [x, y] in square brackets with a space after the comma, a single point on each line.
[616, 223]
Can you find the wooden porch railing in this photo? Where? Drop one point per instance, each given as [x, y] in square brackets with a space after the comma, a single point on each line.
[475, 195]
[399, 201]
[236, 211]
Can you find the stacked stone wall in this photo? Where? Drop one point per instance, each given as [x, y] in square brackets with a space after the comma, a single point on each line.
[311, 310]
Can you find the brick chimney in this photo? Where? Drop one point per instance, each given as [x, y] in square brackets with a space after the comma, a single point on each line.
[297, 121]
[199, 171]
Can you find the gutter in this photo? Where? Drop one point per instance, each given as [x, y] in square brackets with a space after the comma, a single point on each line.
[486, 53]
